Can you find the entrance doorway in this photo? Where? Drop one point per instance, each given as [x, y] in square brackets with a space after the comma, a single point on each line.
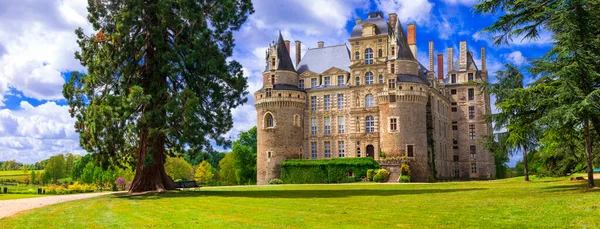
[370, 151]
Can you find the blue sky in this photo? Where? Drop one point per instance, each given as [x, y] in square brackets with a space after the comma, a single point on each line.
[37, 43]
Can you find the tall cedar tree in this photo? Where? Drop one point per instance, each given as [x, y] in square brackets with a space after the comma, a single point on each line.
[157, 78]
[569, 72]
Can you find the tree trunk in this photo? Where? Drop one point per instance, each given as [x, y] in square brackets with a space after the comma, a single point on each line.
[525, 169]
[588, 152]
[152, 175]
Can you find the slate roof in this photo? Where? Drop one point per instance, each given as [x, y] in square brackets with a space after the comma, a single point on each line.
[285, 61]
[319, 60]
[421, 78]
[404, 52]
[283, 87]
[374, 18]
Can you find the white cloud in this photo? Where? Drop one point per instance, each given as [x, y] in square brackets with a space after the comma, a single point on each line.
[516, 58]
[417, 11]
[33, 133]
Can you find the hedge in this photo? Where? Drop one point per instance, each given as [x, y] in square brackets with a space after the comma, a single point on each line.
[334, 170]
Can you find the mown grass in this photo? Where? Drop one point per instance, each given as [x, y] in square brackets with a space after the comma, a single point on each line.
[17, 196]
[511, 203]
[17, 175]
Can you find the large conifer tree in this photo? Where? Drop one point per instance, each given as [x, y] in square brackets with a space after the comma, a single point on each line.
[157, 78]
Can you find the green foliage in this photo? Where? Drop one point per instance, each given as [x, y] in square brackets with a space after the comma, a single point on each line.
[33, 177]
[370, 174]
[177, 168]
[227, 170]
[382, 154]
[87, 175]
[275, 181]
[204, 173]
[404, 179]
[55, 168]
[78, 166]
[381, 176]
[157, 75]
[244, 151]
[325, 171]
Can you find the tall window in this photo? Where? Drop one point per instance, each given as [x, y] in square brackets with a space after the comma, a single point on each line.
[270, 122]
[409, 151]
[369, 78]
[369, 56]
[391, 83]
[380, 53]
[326, 102]
[393, 70]
[272, 79]
[453, 78]
[273, 62]
[327, 146]
[357, 56]
[341, 125]
[313, 150]
[313, 83]
[392, 98]
[358, 151]
[341, 149]
[327, 125]
[471, 94]
[340, 101]
[340, 80]
[473, 150]
[470, 76]
[380, 79]
[301, 84]
[268, 92]
[393, 124]
[473, 168]
[471, 112]
[471, 132]
[393, 51]
[453, 91]
[327, 81]
[313, 126]
[313, 103]
[370, 124]
[369, 101]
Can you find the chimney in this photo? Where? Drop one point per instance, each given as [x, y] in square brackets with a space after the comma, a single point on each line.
[321, 44]
[298, 52]
[450, 60]
[440, 62]
[412, 39]
[483, 59]
[393, 19]
[358, 20]
[430, 55]
[462, 58]
[287, 46]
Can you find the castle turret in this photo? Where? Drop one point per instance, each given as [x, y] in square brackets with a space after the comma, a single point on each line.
[279, 106]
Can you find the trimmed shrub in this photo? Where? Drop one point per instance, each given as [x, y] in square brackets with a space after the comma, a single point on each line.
[381, 176]
[404, 179]
[370, 174]
[275, 181]
[334, 170]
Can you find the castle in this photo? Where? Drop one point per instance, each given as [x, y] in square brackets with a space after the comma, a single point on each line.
[373, 97]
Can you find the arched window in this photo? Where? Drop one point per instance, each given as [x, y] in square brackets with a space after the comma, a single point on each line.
[369, 78]
[380, 53]
[368, 56]
[357, 56]
[357, 81]
[269, 120]
[369, 124]
[369, 101]
[380, 79]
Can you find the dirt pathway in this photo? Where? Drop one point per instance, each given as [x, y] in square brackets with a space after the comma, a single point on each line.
[11, 207]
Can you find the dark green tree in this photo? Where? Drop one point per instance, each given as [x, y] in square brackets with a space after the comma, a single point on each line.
[158, 80]
[55, 169]
[568, 75]
[244, 154]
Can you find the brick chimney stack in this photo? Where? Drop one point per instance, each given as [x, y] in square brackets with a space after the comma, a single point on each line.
[440, 70]
[298, 52]
[462, 56]
[287, 46]
[430, 55]
[483, 63]
[412, 39]
[393, 19]
[450, 60]
[321, 44]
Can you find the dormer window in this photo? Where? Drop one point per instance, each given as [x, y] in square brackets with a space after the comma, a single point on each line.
[369, 56]
[393, 51]
[272, 79]
[273, 62]
[380, 53]
[268, 92]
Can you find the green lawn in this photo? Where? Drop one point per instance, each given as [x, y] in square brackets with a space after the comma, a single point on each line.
[543, 203]
[15, 175]
[17, 196]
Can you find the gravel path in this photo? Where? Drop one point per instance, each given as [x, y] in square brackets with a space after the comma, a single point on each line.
[11, 207]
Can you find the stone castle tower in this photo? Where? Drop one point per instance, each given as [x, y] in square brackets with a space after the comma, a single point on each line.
[371, 98]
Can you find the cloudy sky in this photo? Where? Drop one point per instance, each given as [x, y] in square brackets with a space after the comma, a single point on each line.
[37, 42]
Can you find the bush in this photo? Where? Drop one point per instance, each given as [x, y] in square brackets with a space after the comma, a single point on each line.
[382, 154]
[275, 181]
[404, 179]
[370, 174]
[325, 171]
[381, 176]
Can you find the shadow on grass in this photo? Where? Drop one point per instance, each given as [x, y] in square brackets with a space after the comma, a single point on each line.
[576, 186]
[292, 193]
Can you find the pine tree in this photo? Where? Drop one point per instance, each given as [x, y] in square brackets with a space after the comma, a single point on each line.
[157, 78]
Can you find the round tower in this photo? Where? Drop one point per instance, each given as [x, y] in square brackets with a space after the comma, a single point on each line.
[279, 108]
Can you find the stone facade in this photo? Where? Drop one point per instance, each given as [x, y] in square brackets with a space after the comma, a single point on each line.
[371, 98]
